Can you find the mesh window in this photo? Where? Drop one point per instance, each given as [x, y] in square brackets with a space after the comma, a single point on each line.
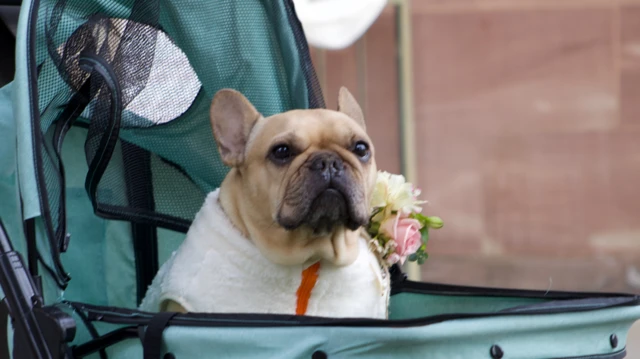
[135, 77]
[140, 75]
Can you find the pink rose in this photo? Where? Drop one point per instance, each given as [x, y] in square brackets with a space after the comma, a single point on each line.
[405, 232]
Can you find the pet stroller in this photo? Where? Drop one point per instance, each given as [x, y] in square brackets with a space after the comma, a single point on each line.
[107, 154]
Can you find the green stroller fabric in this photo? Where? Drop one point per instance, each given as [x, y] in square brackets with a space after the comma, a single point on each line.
[166, 167]
[107, 154]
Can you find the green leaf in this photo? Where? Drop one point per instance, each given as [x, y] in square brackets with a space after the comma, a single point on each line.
[383, 238]
[374, 227]
[424, 220]
[421, 260]
[435, 222]
[413, 257]
[425, 234]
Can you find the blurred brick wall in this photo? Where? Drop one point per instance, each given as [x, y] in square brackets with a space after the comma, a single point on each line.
[528, 134]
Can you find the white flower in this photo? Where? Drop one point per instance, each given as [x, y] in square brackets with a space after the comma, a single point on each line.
[381, 190]
[393, 193]
[394, 258]
[390, 246]
[376, 246]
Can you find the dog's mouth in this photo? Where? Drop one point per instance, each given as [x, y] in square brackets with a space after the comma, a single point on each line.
[329, 209]
[325, 197]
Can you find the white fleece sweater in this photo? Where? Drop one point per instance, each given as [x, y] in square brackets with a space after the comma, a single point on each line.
[216, 269]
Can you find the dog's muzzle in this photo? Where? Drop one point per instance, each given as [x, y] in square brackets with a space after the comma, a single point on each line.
[326, 195]
[333, 200]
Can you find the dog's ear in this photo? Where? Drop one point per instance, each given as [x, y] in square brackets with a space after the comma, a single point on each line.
[348, 105]
[232, 118]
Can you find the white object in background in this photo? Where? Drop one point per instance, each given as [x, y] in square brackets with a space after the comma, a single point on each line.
[336, 24]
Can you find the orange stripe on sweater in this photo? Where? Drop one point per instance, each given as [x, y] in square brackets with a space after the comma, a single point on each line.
[309, 278]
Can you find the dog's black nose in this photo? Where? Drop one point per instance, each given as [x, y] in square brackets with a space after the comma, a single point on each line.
[328, 164]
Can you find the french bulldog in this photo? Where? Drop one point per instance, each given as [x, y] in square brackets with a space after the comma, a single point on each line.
[284, 232]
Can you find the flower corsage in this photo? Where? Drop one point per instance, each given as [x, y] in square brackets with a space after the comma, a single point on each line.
[397, 228]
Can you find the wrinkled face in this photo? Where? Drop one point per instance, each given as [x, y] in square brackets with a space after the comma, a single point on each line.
[316, 167]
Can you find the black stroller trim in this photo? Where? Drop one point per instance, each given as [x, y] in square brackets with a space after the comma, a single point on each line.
[579, 302]
[448, 289]
[108, 142]
[164, 319]
[55, 237]
[105, 341]
[152, 340]
[316, 99]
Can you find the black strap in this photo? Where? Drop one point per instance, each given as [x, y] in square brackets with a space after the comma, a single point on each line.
[145, 245]
[139, 183]
[7, 61]
[32, 248]
[316, 100]
[152, 341]
[4, 335]
[90, 328]
[63, 124]
[397, 277]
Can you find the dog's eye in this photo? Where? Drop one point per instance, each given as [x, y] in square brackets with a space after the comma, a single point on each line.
[281, 153]
[361, 149]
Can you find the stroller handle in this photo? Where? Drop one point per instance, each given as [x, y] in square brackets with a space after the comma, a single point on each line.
[21, 298]
[5, 243]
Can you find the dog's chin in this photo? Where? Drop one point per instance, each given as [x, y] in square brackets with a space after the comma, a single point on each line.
[327, 212]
